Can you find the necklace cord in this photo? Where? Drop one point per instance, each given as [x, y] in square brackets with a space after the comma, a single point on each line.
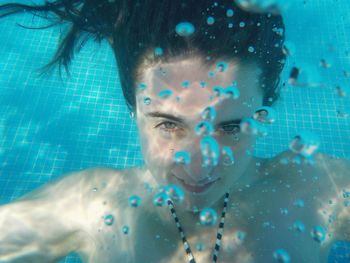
[219, 234]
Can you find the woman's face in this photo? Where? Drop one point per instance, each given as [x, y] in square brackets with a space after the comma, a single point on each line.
[167, 125]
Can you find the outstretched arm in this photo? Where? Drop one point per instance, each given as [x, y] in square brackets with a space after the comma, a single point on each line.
[43, 226]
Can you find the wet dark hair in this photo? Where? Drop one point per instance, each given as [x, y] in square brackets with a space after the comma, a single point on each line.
[135, 28]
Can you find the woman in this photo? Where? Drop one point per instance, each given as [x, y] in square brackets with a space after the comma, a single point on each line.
[195, 76]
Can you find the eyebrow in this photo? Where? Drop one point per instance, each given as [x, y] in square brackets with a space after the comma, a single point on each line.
[158, 114]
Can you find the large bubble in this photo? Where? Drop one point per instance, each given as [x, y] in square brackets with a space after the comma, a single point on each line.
[227, 156]
[209, 113]
[160, 199]
[231, 92]
[175, 193]
[305, 144]
[266, 115]
[182, 157]
[184, 29]
[208, 217]
[165, 93]
[210, 151]
[251, 127]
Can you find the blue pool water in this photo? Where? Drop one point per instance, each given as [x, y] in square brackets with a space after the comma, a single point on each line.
[50, 126]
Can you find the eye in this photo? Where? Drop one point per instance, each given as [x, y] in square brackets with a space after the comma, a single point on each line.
[230, 129]
[167, 126]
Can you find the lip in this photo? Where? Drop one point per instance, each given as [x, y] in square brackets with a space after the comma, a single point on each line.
[196, 188]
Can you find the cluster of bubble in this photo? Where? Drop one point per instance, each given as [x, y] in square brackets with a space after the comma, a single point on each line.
[168, 192]
[231, 92]
[257, 125]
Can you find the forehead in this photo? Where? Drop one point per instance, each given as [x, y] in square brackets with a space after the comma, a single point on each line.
[186, 87]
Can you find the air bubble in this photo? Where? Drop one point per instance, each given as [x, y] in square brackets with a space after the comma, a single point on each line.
[229, 13]
[203, 84]
[147, 100]
[306, 143]
[184, 29]
[231, 92]
[142, 86]
[165, 93]
[160, 199]
[108, 219]
[185, 84]
[281, 256]
[134, 201]
[251, 127]
[158, 51]
[218, 90]
[182, 157]
[299, 203]
[175, 193]
[346, 193]
[227, 156]
[318, 233]
[210, 20]
[211, 74]
[221, 66]
[210, 151]
[299, 226]
[204, 128]
[209, 113]
[200, 246]
[241, 235]
[208, 217]
[125, 230]
[265, 115]
[251, 49]
[264, 6]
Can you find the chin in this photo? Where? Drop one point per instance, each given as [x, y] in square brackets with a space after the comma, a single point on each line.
[195, 202]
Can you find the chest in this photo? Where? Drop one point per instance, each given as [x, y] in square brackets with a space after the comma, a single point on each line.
[276, 219]
[258, 228]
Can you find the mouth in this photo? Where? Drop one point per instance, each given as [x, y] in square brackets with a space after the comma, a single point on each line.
[196, 188]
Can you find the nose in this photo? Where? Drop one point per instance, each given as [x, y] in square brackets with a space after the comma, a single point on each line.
[196, 169]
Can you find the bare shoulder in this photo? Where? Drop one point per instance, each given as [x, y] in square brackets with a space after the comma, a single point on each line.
[112, 179]
[319, 161]
[327, 173]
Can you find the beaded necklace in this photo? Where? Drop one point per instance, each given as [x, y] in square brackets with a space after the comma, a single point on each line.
[219, 234]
